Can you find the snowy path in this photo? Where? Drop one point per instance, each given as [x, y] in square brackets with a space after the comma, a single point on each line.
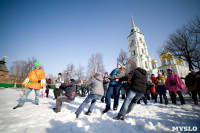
[41, 119]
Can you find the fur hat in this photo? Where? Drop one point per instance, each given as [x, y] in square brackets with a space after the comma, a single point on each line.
[119, 63]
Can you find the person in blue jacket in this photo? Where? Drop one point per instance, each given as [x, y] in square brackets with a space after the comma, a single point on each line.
[114, 88]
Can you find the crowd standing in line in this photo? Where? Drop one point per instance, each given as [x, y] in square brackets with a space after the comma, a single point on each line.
[131, 82]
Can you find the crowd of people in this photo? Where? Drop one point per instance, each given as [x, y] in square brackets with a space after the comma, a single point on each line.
[132, 83]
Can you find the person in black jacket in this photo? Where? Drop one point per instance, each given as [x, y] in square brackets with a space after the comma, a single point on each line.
[190, 80]
[198, 82]
[138, 78]
[70, 92]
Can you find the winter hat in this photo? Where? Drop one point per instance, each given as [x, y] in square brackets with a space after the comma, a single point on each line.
[98, 73]
[60, 74]
[106, 73]
[72, 80]
[152, 75]
[120, 63]
[169, 69]
[37, 64]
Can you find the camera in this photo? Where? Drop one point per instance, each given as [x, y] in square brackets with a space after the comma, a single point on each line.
[172, 82]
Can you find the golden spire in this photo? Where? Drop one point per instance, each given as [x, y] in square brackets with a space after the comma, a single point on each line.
[133, 25]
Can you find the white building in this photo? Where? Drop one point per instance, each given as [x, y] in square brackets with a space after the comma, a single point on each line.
[138, 52]
[138, 48]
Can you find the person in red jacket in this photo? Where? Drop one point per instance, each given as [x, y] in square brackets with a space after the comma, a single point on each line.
[152, 90]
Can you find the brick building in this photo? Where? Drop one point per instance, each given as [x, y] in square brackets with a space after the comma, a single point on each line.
[4, 73]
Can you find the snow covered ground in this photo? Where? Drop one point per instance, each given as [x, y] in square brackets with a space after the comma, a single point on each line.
[31, 118]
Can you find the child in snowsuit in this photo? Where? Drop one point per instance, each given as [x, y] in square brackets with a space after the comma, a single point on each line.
[152, 90]
[96, 93]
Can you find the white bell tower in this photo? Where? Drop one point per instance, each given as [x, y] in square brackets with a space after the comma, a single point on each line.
[138, 48]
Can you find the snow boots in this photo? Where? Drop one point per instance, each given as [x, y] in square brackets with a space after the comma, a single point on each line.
[119, 117]
[88, 113]
[55, 110]
[105, 110]
[18, 106]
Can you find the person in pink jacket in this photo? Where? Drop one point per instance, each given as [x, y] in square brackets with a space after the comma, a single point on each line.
[174, 84]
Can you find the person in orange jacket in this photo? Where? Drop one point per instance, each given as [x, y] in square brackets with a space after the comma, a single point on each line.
[35, 80]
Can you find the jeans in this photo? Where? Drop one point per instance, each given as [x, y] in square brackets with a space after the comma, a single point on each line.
[90, 98]
[142, 98]
[83, 90]
[103, 97]
[130, 101]
[165, 97]
[26, 94]
[115, 90]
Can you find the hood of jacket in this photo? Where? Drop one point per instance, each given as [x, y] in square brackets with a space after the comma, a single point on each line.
[142, 71]
[99, 78]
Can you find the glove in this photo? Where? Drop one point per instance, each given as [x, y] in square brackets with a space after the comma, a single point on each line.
[25, 81]
[43, 82]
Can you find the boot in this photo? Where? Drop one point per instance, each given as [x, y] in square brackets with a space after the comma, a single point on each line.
[18, 106]
[105, 111]
[55, 110]
[115, 109]
[119, 117]
[88, 113]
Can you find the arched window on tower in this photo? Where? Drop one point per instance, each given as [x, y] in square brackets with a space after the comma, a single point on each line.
[134, 52]
[146, 64]
[140, 39]
[142, 51]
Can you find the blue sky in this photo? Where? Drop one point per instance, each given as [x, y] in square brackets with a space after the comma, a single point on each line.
[59, 32]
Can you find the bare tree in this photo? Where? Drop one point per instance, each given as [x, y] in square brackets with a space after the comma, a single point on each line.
[185, 43]
[96, 64]
[20, 69]
[123, 57]
[69, 73]
[80, 73]
[16, 70]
